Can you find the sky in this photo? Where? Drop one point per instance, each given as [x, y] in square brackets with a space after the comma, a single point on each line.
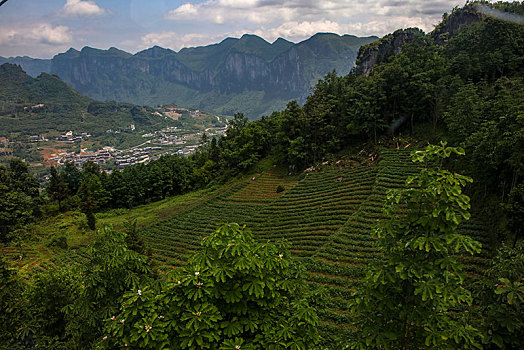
[41, 29]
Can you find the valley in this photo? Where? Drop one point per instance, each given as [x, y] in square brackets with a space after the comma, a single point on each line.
[117, 147]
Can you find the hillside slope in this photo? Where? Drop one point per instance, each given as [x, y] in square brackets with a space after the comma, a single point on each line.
[42, 105]
[327, 216]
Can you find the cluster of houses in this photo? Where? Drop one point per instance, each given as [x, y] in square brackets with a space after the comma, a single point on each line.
[169, 140]
[186, 150]
[133, 156]
[165, 137]
[99, 157]
[119, 130]
[121, 159]
[69, 136]
[136, 156]
[144, 156]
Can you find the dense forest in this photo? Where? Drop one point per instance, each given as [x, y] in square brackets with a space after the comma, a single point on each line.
[463, 85]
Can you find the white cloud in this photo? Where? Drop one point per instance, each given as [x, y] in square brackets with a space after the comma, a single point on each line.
[279, 15]
[46, 34]
[36, 40]
[184, 11]
[224, 11]
[297, 31]
[37, 34]
[292, 30]
[79, 8]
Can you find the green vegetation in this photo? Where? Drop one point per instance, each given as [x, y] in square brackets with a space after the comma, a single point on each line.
[232, 293]
[409, 293]
[18, 199]
[399, 278]
[46, 105]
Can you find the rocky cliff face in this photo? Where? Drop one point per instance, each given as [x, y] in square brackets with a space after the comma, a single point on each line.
[381, 50]
[452, 23]
[392, 44]
[221, 72]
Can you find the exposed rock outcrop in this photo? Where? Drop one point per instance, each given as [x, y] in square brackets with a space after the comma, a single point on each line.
[452, 23]
[380, 50]
[392, 44]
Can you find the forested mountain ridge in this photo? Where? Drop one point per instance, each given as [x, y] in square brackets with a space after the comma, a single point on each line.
[32, 66]
[19, 88]
[218, 77]
[45, 104]
[391, 44]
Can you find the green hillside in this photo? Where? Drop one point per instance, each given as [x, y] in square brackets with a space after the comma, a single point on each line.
[46, 105]
[327, 215]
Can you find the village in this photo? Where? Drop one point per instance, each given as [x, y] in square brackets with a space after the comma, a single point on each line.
[120, 158]
[79, 147]
[160, 143]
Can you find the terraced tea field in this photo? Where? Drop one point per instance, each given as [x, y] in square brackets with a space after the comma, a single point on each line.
[29, 259]
[328, 217]
[174, 239]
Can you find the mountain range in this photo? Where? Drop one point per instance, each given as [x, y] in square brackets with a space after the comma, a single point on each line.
[248, 75]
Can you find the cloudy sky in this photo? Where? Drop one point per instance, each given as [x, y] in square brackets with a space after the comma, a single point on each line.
[42, 29]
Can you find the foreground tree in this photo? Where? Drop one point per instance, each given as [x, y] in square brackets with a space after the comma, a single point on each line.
[88, 204]
[14, 312]
[234, 293]
[111, 269]
[18, 198]
[407, 299]
[502, 299]
[514, 211]
[48, 294]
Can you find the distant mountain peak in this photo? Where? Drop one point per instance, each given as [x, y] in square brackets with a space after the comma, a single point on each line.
[155, 52]
[281, 40]
[220, 77]
[9, 67]
[88, 48]
[252, 40]
[12, 73]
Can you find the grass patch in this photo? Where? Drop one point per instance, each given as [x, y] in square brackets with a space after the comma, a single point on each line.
[148, 214]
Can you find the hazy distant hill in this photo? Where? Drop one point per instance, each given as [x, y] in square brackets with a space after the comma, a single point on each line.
[32, 66]
[33, 106]
[246, 75]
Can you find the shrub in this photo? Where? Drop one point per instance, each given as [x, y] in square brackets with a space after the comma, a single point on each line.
[60, 242]
[234, 293]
